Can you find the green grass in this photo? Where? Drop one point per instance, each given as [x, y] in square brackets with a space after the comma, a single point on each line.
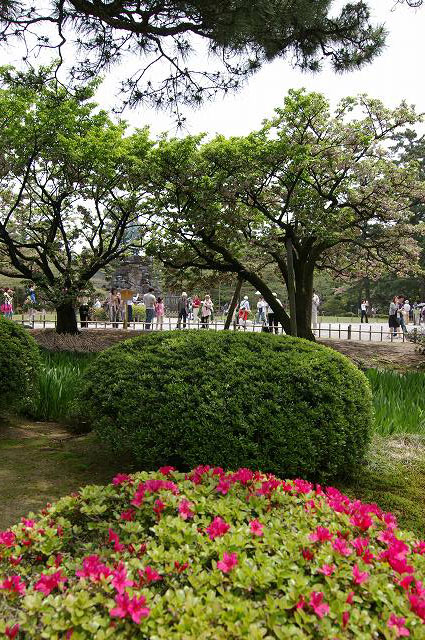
[399, 401]
[393, 476]
[59, 383]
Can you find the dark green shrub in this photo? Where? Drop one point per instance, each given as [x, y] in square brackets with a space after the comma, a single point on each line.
[19, 366]
[279, 404]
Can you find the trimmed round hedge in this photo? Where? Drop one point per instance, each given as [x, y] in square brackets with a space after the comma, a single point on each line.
[280, 404]
[19, 365]
[214, 556]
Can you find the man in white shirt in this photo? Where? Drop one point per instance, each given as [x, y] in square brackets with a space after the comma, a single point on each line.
[149, 301]
[273, 322]
[315, 303]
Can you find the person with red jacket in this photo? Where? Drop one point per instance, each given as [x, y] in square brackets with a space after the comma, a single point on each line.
[196, 304]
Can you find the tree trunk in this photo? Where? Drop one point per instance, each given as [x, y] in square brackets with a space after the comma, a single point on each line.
[291, 286]
[66, 319]
[233, 303]
[304, 295]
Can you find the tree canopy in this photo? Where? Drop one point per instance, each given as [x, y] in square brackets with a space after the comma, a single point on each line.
[325, 181]
[169, 36]
[67, 205]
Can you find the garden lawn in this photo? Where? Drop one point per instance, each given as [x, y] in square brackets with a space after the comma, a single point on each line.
[44, 461]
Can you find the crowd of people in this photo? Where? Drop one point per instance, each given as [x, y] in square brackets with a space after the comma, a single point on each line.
[193, 309]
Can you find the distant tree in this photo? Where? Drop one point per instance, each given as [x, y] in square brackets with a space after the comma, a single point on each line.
[66, 202]
[327, 182]
[169, 36]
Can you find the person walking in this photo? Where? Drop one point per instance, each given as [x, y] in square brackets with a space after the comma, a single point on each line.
[400, 314]
[315, 304]
[159, 312]
[244, 310]
[114, 307]
[207, 309]
[406, 312]
[149, 301]
[7, 304]
[273, 321]
[393, 321]
[84, 312]
[182, 310]
[196, 305]
[364, 308]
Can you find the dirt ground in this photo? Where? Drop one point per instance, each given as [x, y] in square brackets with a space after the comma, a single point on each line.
[42, 461]
[401, 356]
[378, 355]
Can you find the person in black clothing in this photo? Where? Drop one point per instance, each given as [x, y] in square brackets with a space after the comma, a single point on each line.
[84, 313]
[182, 310]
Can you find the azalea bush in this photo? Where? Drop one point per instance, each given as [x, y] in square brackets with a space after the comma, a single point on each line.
[210, 554]
[19, 366]
[280, 404]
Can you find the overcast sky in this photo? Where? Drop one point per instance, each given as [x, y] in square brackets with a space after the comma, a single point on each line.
[396, 75]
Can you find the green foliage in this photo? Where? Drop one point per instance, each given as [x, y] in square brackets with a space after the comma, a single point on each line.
[19, 366]
[99, 314]
[278, 404]
[59, 383]
[399, 401]
[147, 539]
[240, 37]
[139, 312]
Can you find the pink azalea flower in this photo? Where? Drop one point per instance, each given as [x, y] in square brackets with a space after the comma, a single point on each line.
[48, 582]
[120, 580]
[322, 534]
[223, 486]
[15, 561]
[69, 634]
[256, 528]
[358, 576]
[113, 537]
[159, 507]
[28, 523]
[398, 625]
[345, 618]
[166, 470]
[122, 478]
[150, 575]
[13, 584]
[319, 607]
[134, 608]
[128, 515]
[390, 520]
[361, 521]
[243, 476]
[181, 567]
[217, 528]
[420, 548]
[360, 545]
[406, 582]
[12, 632]
[417, 605]
[93, 569]
[307, 554]
[301, 603]
[229, 561]
[340, 546]
[350, 597]
[7, 538]
[302, 486]
[327, 569]
[185, 509]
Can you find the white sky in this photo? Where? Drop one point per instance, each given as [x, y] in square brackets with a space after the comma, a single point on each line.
[395, 75]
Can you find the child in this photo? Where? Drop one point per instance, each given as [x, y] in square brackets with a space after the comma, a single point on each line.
[159, 312]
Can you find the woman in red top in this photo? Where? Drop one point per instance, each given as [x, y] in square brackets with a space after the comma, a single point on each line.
[196, 303]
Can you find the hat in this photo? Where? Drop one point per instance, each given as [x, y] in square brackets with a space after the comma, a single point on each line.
[257, 293]
[245, 297]
[274, 294]
[184, 294]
